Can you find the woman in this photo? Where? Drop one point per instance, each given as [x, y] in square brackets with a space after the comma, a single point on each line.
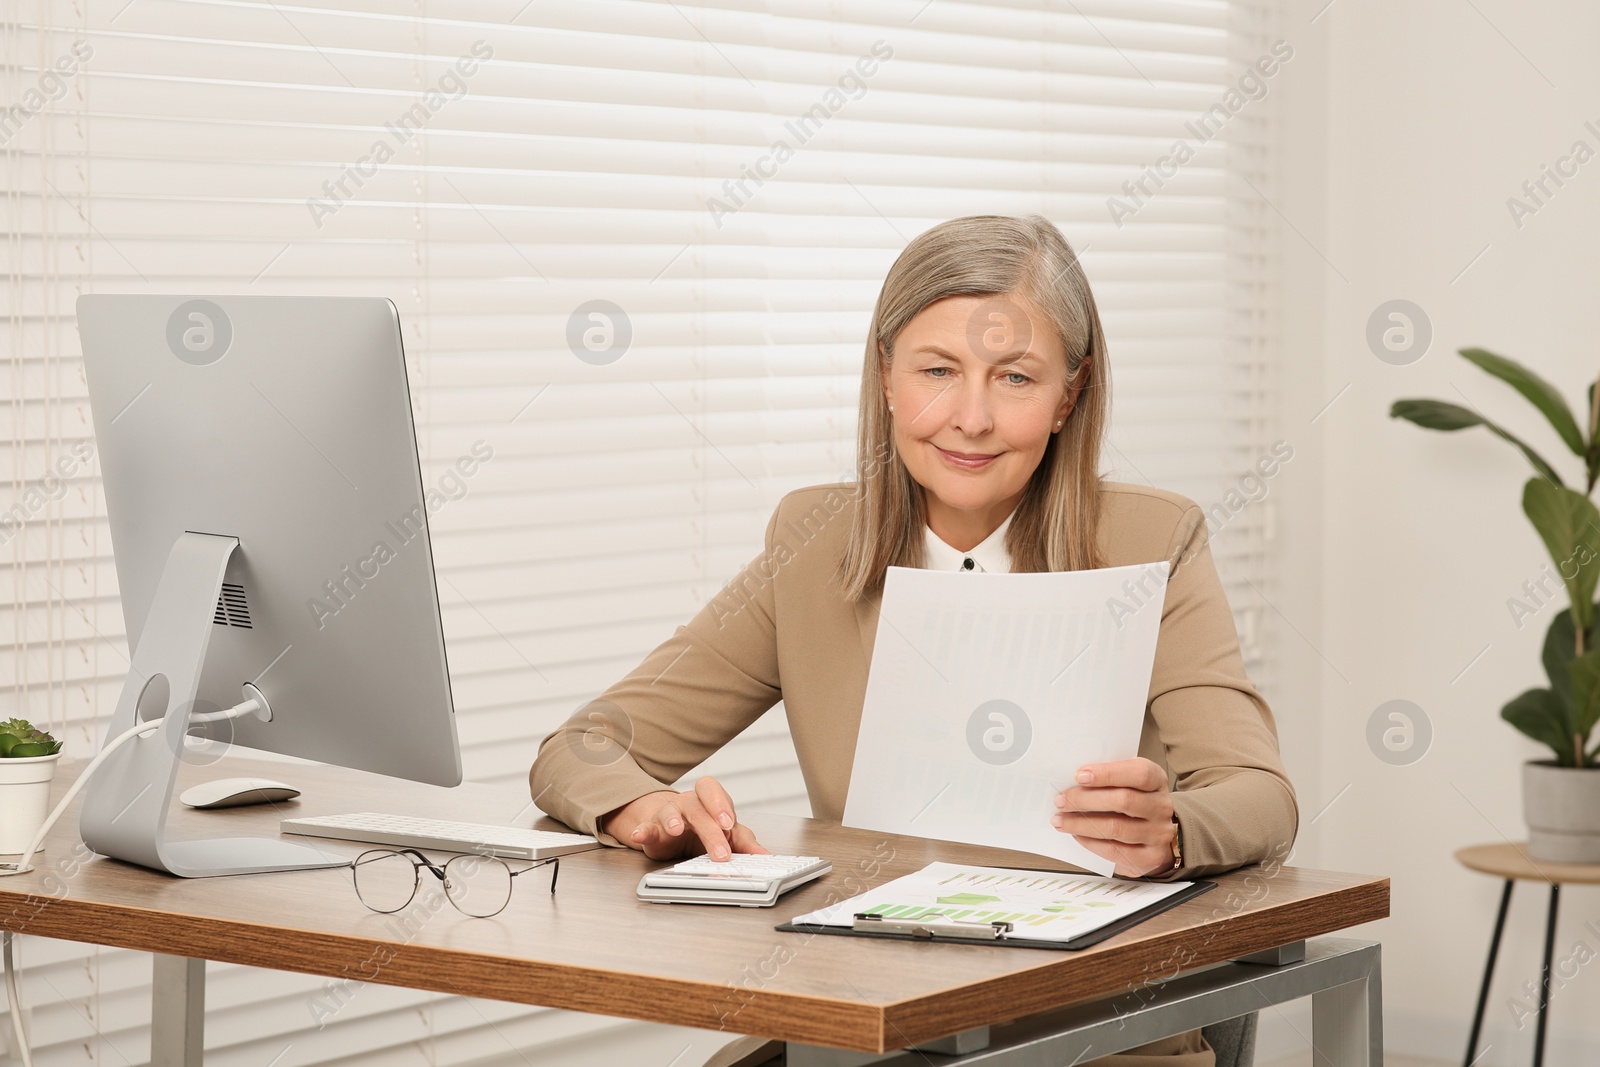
[984, 396]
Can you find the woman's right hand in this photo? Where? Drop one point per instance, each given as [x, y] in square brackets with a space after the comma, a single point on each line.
[668, 824]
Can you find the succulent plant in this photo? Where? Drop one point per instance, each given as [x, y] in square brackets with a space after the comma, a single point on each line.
[19, 740]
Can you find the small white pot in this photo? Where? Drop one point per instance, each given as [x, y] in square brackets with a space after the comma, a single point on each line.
[24, 799]
[1562, 809]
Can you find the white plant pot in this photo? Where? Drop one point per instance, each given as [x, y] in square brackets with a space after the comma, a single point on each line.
[1562, 809]
[24, 799]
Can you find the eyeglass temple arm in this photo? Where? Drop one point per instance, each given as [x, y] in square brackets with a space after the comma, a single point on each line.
[555, 871]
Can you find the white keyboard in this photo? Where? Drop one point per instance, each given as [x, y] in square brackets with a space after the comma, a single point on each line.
[407, 831]
[746, 880]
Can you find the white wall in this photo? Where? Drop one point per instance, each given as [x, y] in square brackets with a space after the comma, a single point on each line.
[1406, 128]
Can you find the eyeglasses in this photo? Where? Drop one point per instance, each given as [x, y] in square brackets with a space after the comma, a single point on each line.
[480, 886]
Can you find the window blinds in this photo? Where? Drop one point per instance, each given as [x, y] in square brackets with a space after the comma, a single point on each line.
[635, 247]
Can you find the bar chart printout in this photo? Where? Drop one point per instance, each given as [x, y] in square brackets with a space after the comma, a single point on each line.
[1040, 905]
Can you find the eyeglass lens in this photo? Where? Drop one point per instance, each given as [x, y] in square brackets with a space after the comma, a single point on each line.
[385, 881]
[478, 885]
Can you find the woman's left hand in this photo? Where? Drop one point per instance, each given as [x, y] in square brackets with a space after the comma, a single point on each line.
[1121, 811]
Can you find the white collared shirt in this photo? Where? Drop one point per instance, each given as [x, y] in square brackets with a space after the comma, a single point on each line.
[988, 556]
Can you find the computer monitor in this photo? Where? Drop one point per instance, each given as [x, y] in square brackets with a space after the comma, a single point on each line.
[270, 528]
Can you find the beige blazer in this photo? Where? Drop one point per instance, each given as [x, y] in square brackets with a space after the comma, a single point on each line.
[781, 630]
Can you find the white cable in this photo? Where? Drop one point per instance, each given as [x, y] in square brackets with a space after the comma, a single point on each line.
[23, 1051]
[22, 864]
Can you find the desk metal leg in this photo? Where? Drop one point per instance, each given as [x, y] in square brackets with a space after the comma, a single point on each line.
[1488, 975]
[177, 1012]
[1347, 1023]
[1544, 981]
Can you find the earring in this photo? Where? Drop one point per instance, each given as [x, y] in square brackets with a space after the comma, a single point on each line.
[1058, 425]
[891, 407]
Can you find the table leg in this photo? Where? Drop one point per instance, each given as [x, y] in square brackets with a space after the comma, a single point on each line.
[1488, 974]
[1347, 1023]
[1544, 980]
[177, 1012]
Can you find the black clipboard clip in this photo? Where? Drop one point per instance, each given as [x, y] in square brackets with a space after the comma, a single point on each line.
[928, 929]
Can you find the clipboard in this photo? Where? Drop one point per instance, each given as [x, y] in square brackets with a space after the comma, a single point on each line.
[992, 933]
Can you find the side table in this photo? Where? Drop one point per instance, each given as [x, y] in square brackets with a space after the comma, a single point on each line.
[1511, 862]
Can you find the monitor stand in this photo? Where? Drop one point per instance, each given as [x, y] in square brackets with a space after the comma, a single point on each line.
[125, 804]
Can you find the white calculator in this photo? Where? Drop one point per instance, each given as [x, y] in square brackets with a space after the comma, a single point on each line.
[748, 881]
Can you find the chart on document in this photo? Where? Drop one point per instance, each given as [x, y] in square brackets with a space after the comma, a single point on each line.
[1039, 905]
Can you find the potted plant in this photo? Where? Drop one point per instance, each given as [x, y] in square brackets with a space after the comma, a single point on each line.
[1560, 796]
[28, 760]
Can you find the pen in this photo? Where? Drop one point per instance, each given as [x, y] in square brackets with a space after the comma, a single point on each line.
[928, 928]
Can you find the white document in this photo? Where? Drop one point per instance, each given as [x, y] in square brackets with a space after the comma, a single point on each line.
[986, 694]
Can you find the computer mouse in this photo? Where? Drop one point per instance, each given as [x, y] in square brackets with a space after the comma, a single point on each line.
[236, 792]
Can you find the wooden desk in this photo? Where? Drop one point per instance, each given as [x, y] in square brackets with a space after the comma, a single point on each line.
[596, 948]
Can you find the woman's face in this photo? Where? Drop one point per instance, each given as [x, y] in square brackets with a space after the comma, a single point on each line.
[978, 384]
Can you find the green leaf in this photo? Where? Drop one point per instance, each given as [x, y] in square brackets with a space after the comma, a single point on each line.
[1541, 715]
[1569, 523]
[1585, 673]
[1439, 415]
[1591, 458]
[1540, 393]
[7, 742]
[1560, 649]
[34, 748]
